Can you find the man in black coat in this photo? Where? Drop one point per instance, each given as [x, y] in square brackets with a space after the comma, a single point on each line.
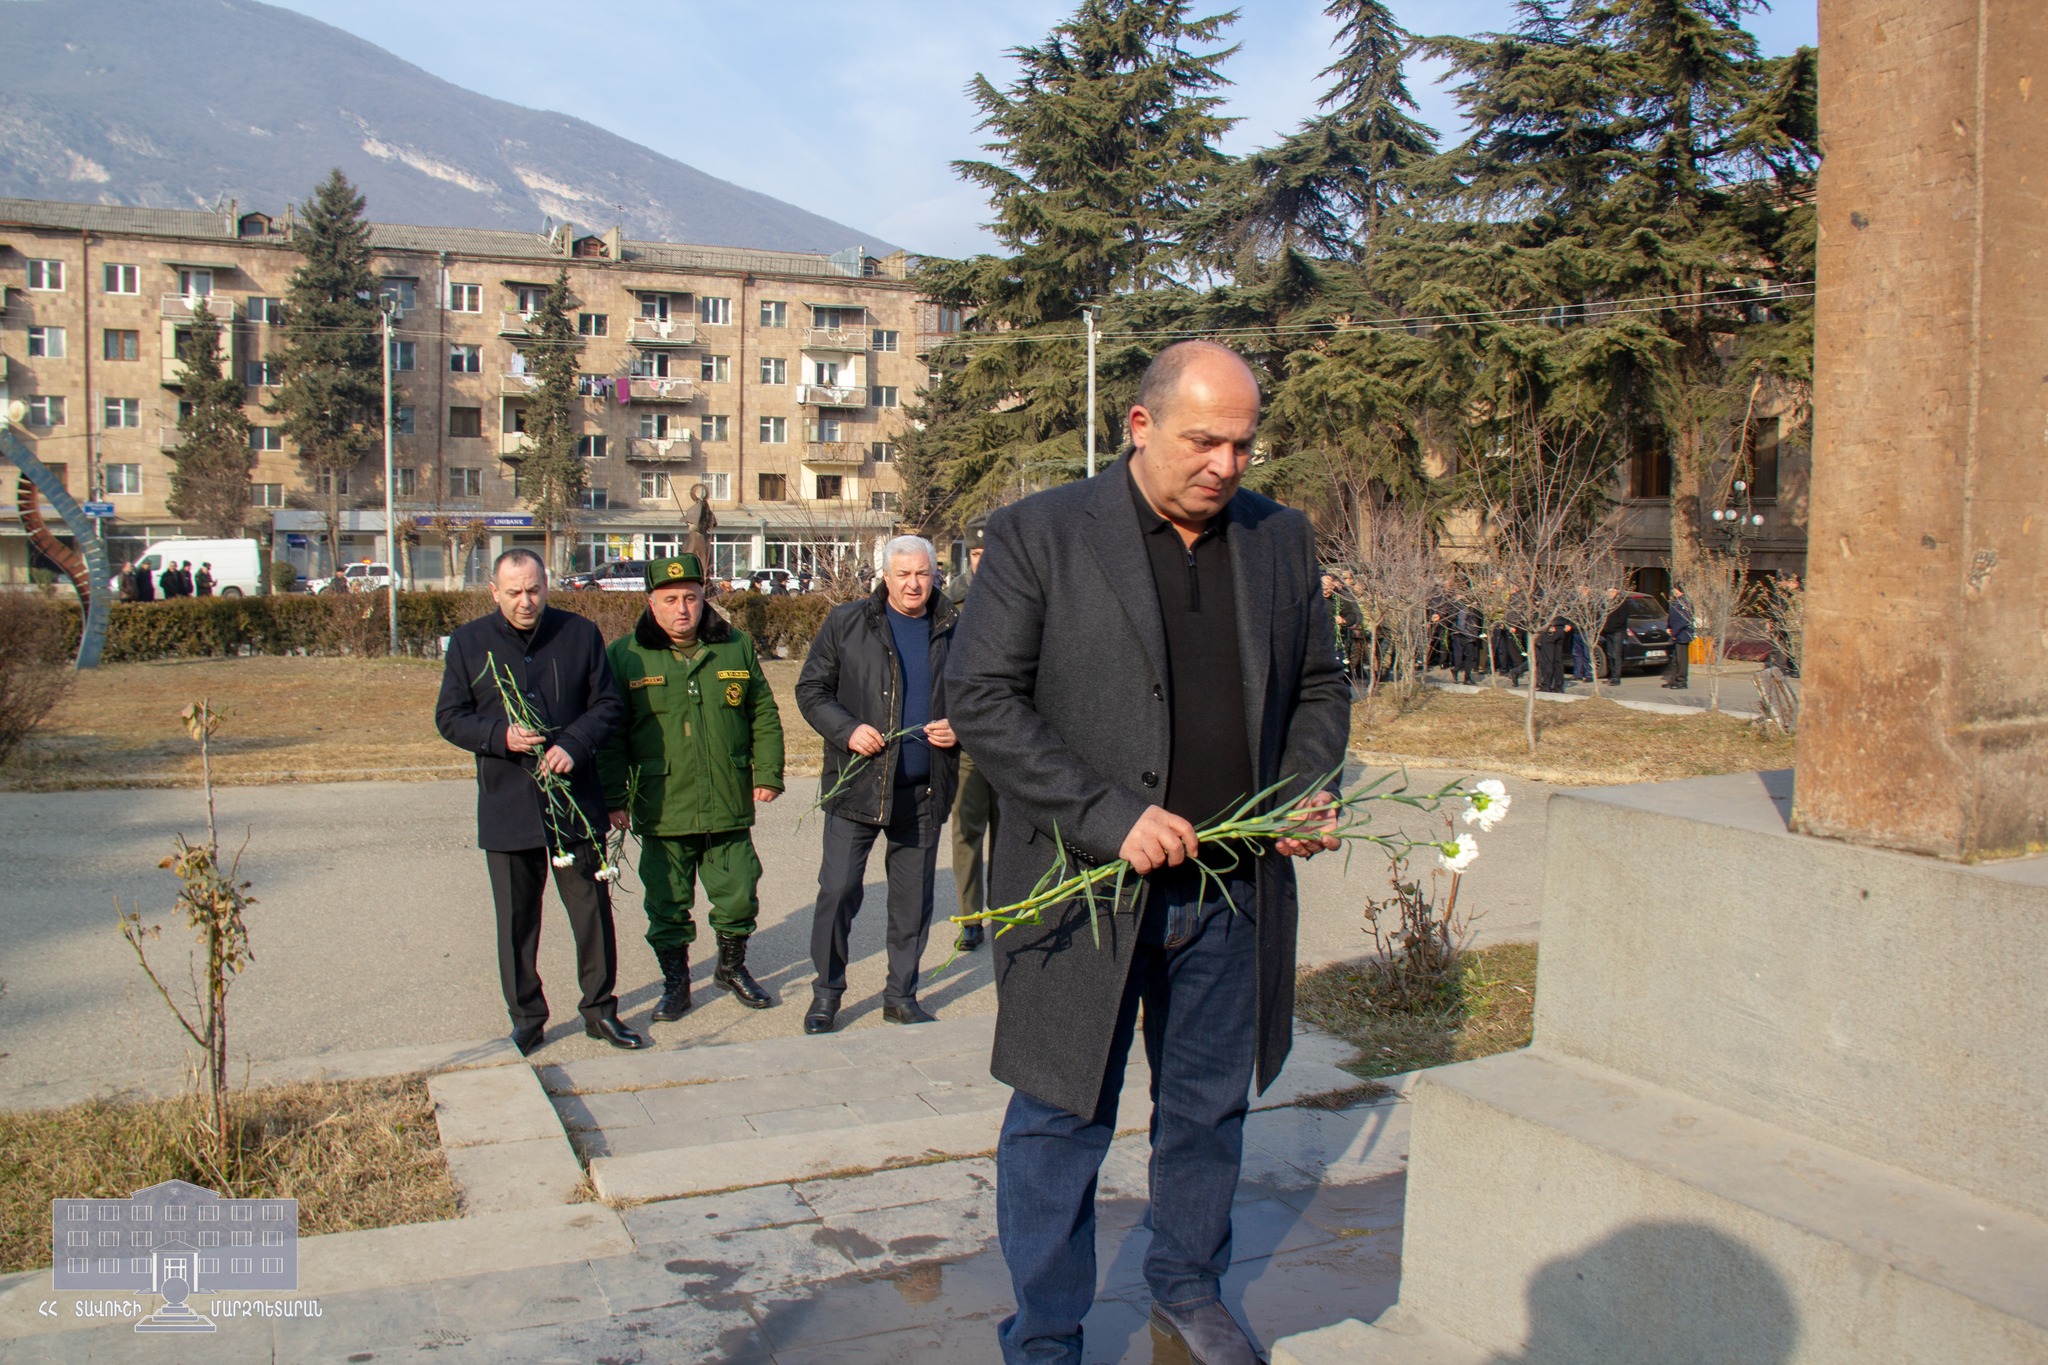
[876, 671]
[1678, 619]
[1614, 632]
[1143, 650]
[1553, 647]
[557, 661]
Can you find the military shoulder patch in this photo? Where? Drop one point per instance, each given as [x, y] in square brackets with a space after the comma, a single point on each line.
[652, 680]
[734, 692]
[725, 673]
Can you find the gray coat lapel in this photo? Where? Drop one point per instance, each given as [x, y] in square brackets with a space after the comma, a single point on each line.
[1251, 563]
[1113, 537]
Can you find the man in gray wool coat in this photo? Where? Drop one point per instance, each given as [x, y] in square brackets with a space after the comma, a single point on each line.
[1142, 650]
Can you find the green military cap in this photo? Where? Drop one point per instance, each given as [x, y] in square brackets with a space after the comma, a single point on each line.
[674, 569]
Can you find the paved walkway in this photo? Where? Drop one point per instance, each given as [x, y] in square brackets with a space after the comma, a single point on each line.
[373, 930]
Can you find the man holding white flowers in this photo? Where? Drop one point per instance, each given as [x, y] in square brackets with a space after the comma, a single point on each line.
[1142, 652]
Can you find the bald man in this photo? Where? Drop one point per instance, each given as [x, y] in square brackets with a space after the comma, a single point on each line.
[1141, 652]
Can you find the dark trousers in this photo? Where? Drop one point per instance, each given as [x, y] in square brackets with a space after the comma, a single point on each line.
[1678, 671]
[518, 881]
[912, 862]
[974, 810]
[1550, 655]
[1464, 657]
[1610, 647]
[1195, 974]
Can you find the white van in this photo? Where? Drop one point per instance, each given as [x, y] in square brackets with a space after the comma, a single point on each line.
[237, 568]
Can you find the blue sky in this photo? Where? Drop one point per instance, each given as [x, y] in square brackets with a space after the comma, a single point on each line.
[854, 111]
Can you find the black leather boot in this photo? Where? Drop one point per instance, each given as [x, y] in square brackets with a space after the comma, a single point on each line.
[675, 984]
[732, 974]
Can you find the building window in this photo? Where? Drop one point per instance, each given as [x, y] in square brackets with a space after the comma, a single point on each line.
[123, 480]
[774, 488]
[774, 313]
[596, 500]
[266, 495]
[120, 345]
[195, 284]
[1764, 440]
[465, 359]
[405, 482]
[465, 483]
[593, 324]
[934, 377]
[949, 319]
[263, 374]
[712, 427]
[885, 502]
[883, 340]
[120, 412]
[715, 369]
[654, 307]
[120, 279]
[402, 292]
[649, 365]
[46, 275]
[831, 487]
[885, 395]
[882, 452]
[265, 310]
[717, 312]
[774, 370]
[46, 410]
[834, 319]
[590, 447]
[721, 486]
[532, 298]
[402, 420]
[403, 354]
[653, 484]
[465, 298]
[46, 343]
[774, 430]
[466, 422]
[1649, 467]
[334, 481]
[827, 429]
[657, 426]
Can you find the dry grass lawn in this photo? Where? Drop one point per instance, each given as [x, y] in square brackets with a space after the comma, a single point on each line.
[289, 720]
[1586, 743]
[1491, 1009]
[355, 1154]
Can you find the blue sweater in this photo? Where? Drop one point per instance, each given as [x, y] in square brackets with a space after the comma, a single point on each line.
[913, 637]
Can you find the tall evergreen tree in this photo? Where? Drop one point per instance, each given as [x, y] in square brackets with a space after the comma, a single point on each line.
[210, 468]
[551, 474]
[331, 394]
[1105, 140]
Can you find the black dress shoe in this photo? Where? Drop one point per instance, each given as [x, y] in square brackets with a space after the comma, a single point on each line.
[970, 938]
[912, 1013]
[528, 1038]
[1208, 1334]
[612, 1031]
[820, 1016]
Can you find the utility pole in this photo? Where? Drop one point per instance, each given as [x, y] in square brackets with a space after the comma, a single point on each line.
[1089, 314]
[390, 521]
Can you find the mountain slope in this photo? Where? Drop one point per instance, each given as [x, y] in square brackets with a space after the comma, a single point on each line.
[180, 103]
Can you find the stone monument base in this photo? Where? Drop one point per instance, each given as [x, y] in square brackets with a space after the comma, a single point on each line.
[1786, 1103]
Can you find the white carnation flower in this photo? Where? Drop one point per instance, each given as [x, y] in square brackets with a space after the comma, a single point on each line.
[1457, 855]
[563, 860]
[1490, 802]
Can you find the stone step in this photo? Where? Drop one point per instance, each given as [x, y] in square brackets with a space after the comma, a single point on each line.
[694, 1120]
[1394, 1338]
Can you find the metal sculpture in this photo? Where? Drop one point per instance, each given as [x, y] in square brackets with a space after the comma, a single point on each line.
[90, 572]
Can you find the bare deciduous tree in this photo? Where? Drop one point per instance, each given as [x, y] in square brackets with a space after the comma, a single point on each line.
[1393, 570]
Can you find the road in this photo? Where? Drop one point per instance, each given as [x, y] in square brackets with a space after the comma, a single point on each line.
[373, 928]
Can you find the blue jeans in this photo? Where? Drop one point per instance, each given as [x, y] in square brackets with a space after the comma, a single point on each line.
[1195, 972]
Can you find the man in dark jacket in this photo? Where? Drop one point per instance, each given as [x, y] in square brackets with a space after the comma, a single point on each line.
[202, 582]
[145, 583]
[873, 686]
[1678, 617]
[556, 660]
[168, 582]
[1553, 647]
[1143, 650]
[1614, 632]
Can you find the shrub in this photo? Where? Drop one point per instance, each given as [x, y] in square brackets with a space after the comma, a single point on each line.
[35, 666]
[793, 622]
[283, 577]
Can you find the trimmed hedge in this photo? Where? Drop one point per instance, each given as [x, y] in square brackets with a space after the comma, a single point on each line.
[356, 623]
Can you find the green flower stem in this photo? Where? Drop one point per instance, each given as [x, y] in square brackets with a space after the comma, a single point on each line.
[557, 798]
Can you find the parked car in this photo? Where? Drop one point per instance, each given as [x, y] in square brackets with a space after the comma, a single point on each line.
[1646, 647]
[236, 564]
[766, 580]
[366, 576]
[619, 575]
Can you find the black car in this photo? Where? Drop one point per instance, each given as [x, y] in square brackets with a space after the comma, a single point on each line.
[1647, 646]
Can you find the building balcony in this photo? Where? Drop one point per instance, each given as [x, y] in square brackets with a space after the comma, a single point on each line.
[184, 307]
[653, 390]
[661, 332]
[832, 395]
[169, 438]
[661, 449]
[173, 372]
[835, 338]
[835, 454]
[516, 324]
[518, 385]
[512, 445]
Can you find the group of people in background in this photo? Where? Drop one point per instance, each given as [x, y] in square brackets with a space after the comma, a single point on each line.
[135, 583]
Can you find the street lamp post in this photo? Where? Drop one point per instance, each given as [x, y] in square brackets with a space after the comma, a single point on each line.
[390, 521]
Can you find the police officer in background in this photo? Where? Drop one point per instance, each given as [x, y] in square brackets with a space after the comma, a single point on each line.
[974, 805]
[700, 747]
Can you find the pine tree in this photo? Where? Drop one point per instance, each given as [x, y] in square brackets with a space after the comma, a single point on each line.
[551, 474]
[1105, 140]
[332, 389]
[210, 468]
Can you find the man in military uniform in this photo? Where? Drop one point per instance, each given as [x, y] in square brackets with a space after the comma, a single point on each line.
[701, 745]
[974, 804]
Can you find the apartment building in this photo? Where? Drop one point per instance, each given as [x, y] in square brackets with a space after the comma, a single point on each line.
[768, 383]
